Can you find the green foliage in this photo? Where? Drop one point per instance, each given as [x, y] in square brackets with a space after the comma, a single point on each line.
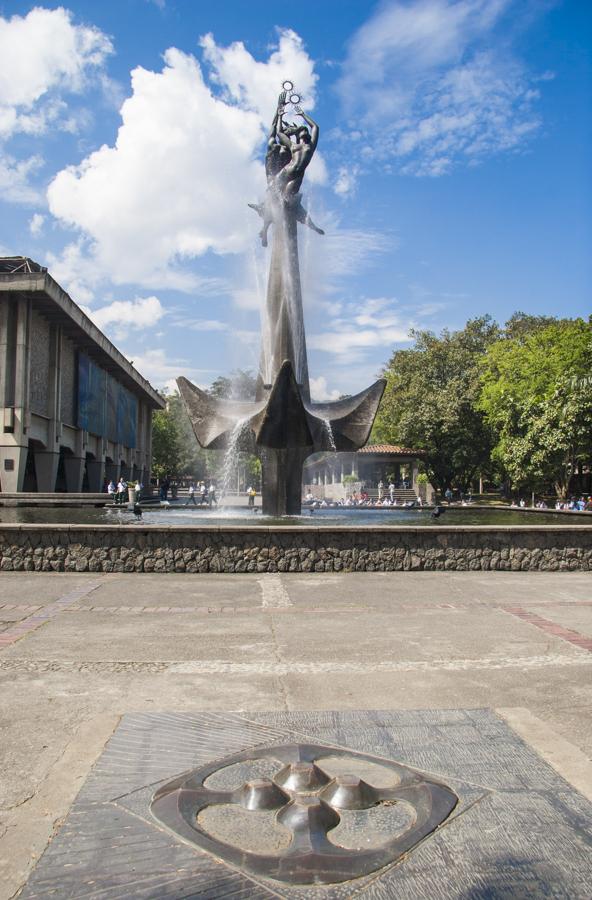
[239, 385]
[350, 479]
[521, 325]
[430, 402]
[536, 396]
[175, 450]
[166, 444]
[422, 478]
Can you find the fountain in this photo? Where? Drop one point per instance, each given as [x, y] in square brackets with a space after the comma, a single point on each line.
[283, 422]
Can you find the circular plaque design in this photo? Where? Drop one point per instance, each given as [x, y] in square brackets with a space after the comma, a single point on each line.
[314, 794]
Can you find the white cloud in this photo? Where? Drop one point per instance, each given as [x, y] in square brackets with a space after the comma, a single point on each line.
[199, 324]
[14, 179]
[255, 85]
[124, 316]
[184, 166]
[42, 55]
[327, 260]
[75, 271]
[36, 223]
[80, 272]
[161, 369]
[369, 325]
[320, 392]
[347, 180]
[247, 298]
[423, 82]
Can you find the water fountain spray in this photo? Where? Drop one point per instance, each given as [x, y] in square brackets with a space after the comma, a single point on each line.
[284, 423]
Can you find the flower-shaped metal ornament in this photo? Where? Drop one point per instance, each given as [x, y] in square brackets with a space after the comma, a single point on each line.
[319, 814]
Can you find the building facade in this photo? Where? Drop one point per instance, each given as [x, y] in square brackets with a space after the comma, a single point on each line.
[74, 411]
[334, 475]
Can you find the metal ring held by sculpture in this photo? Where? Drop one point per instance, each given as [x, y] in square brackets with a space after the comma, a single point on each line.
[295, 98]
[288, 86]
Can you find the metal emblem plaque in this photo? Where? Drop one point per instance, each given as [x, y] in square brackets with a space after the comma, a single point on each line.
[304, 813]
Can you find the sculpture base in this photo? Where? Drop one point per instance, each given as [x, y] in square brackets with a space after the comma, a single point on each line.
[281, 481]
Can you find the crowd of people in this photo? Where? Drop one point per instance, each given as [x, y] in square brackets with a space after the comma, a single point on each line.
[124, 491]
[574, 504]
[201, 494]
[362, 499]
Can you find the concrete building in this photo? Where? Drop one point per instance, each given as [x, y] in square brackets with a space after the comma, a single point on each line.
[324, 473]
[74, 411]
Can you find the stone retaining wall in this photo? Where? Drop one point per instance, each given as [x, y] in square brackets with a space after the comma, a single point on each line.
[133, 548]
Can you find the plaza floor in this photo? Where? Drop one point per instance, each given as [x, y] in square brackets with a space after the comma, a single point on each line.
[77, 652]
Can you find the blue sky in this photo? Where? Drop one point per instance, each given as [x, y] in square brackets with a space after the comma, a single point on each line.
[452, 176]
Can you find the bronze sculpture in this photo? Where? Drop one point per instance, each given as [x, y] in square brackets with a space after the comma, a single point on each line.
[283, 421]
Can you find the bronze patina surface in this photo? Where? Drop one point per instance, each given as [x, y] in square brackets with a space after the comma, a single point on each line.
[319, 814]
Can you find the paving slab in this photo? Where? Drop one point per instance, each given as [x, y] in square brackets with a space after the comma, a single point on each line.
[518, 829]
[574, 616]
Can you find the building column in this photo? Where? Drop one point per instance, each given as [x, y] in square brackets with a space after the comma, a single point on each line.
[13, 461]
[112, 472]
[46, 469]
[74, 472]
[95, 469]
[21, 375]
[414, 473]
[54, 431]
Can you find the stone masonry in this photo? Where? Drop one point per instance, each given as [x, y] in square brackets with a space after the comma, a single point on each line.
[137, 548]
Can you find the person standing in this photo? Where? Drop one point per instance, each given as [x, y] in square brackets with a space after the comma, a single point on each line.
[121, 489]
[380, 489]
[164, 487]
[392, 491]
[191, 497]
[212, 494]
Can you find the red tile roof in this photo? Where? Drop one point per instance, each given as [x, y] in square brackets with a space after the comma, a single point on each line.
[390, 448]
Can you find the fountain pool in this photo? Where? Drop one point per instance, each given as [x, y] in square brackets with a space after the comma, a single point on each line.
[365, 518]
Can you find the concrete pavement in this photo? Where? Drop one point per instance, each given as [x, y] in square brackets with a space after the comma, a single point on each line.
[78, 651]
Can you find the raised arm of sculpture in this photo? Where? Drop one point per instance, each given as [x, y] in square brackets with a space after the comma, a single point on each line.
[277, 124]
[314, 128]
[278, 154]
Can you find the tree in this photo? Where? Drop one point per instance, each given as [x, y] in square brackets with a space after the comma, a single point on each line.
[175, 447]
[521, 325]
[430, 402]
[239, 385]
[536, 396]
[166, 444]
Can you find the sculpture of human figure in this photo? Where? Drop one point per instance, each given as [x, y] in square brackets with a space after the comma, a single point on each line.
[289, 178]
[281, 154]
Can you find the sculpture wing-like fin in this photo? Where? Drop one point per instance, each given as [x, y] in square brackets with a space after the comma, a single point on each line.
[212, 419]
[284, 422]
[351, 419]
